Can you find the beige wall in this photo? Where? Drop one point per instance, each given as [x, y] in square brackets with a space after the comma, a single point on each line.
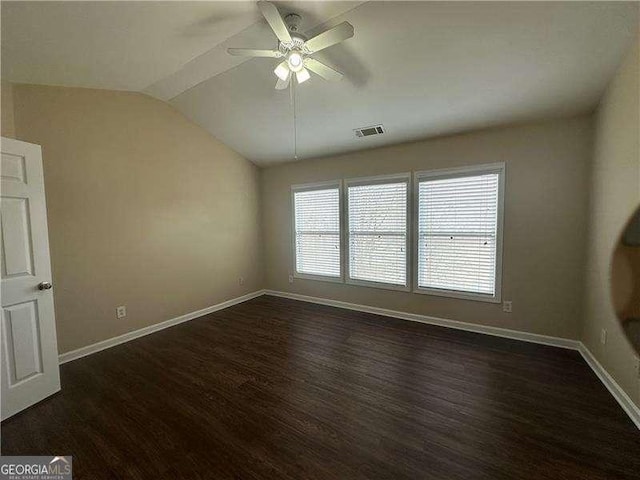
[7, 126]
[145, 209]
[615, 193]
[547, 172]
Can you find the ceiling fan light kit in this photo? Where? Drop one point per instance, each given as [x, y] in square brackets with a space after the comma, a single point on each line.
[282, 72]
[295, 48]
[294, 60]
[303, 75]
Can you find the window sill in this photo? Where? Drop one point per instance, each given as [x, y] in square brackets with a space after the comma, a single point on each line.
[322, 278]
[383, 286]
[476, 297]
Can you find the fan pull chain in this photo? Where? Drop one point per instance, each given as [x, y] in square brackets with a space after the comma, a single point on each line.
[295, 128]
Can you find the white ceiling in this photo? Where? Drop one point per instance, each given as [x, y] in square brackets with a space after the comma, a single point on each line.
[128, 45]
[420, 68]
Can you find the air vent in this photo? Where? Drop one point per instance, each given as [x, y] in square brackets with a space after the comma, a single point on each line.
[368, 131]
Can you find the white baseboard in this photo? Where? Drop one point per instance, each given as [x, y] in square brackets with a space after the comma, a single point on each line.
[442, 322]
[618, 393]
[112, 342]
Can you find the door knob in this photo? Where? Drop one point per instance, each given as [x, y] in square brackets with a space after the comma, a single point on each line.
[44, 286]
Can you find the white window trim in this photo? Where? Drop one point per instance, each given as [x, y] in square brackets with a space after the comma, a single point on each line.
[452, 173]
[380, 179]
[306, 188]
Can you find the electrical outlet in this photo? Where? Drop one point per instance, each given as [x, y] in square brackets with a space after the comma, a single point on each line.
[507, 306]
[290, 278]
[241, 281]
[121, 311]
[603, 336]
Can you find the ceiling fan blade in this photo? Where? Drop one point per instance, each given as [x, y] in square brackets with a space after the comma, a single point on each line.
[332, 36]
[273, 18]
[282, 84]
[250, 52]
[321, 69]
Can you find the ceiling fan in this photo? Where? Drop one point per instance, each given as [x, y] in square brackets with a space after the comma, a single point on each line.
[294, 47]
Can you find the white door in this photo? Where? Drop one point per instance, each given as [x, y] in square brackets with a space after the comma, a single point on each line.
[29, 347]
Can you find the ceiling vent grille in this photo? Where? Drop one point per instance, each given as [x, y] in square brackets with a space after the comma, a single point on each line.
[368, 131]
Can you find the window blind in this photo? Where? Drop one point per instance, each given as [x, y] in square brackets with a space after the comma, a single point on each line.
[457, 233]
[317, 231]
[378, 232]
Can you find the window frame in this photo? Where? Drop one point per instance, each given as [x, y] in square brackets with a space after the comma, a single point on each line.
[308, 187]
[466, 171]
[378, 180]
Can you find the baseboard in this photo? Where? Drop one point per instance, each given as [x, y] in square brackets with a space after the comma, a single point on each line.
[618, 393]
[442, 322]
[112, 342]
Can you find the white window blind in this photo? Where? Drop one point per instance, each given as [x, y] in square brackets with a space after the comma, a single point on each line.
[378, 232]
[317, 231]
[458, 232]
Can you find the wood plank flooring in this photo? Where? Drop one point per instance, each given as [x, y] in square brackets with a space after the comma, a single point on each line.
[279, 389]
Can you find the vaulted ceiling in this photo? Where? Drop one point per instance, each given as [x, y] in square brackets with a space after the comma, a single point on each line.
[419, 68]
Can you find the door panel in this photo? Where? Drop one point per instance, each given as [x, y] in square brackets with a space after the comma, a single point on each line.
[23, 341]
[13, 168]
[29, 347]
[16, 238]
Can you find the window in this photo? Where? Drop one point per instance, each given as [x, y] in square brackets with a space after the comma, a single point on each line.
[459, 232]
[317, 231]
[377, 231]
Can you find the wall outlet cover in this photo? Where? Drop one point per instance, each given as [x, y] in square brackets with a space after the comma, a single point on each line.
[290, 278]
[121, 311]
[507, 306]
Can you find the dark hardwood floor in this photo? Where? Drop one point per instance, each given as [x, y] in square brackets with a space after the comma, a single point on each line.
[278, 389]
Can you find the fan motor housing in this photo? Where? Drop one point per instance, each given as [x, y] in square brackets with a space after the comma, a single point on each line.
[293, 21]
[296, 44]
